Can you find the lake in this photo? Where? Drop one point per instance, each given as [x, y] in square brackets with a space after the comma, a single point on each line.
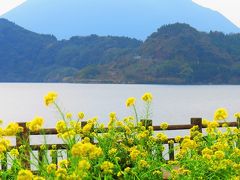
[174, 104]
[20, 102]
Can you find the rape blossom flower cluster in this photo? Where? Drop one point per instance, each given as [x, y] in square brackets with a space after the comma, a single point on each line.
[147, 97]
[220, 114]
[130, 102]
[50, 98]
[36, 124]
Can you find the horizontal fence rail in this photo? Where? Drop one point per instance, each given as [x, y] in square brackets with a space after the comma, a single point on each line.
[24, 136]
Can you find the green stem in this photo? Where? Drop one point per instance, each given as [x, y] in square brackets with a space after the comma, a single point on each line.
[238, 123]
[60, 111]
[135, 112]
[45, 143]
[148, 110]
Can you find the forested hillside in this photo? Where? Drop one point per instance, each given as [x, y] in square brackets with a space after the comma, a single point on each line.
[175, 54]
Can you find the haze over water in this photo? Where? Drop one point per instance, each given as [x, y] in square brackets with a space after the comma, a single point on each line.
[172, 104]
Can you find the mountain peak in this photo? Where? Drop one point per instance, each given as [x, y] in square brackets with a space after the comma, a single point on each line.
[171, 30]
[176, 28]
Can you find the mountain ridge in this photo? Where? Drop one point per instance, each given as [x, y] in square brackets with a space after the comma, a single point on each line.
[174, 54]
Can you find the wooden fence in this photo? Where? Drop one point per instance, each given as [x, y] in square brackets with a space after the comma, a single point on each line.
[25, 137]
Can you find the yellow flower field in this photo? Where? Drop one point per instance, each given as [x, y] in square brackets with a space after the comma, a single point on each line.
[128, 149]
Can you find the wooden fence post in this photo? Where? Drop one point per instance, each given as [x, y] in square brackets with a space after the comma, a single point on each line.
[171, 151]
[238, 123]
[23, 145]
[238, 126]
[197, 122]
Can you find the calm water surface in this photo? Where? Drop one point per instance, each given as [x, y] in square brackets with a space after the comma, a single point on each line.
[172, 104]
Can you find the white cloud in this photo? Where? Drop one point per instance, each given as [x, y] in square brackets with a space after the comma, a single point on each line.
[228, 8]
[7, 5]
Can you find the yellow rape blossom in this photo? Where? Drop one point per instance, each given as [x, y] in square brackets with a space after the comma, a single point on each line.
[164, 125]
[74, 176]
[86, 140]
[177, 139]
[84, 165]
[107, 167]
[11, 129]
[1, 132]
[157, 172]
[205, 122]
[14, 153]
[76, 126]
[61, 173]
[162, 137]
[236, 152]
[4, 144]
[219, 154]
[237, 115]
[147, 97]
[25, 175]
[143, 164]
[181, 171]
[225, 125]
[36, 124]
[81, 115]
[50, 98]
[38, 178]
[112, 151]
[221, 146]
[67, 135]
[51, 168]
[61, 126]
[63, 163]
[220, 114]
[87, 128]
[130, 102]
[211, 126]
[119, 174]
[86, 150]
[2, 148]
[69, 115]
[134, 154]
[127, 169]
[207, 153]
[188, 144]
[112, 115]
[119, 124]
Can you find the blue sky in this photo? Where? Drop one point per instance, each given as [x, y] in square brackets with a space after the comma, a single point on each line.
[132, 18]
